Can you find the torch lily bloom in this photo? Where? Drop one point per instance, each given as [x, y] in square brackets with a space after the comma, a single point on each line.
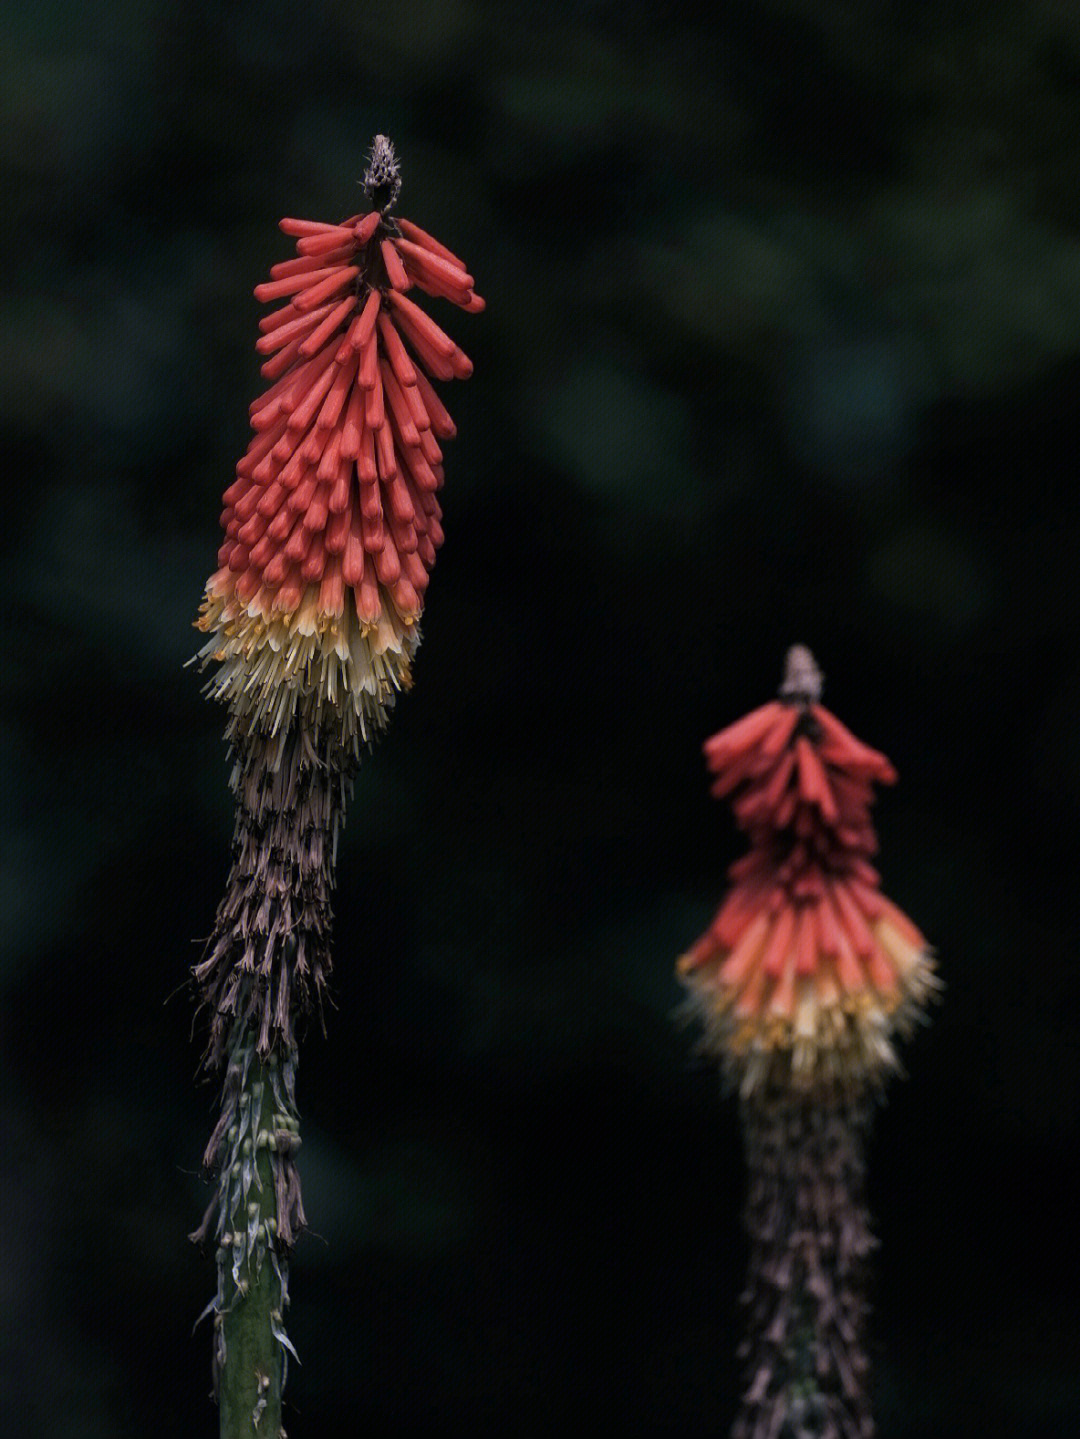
[333, 520]
[807, 970]
[331, 528]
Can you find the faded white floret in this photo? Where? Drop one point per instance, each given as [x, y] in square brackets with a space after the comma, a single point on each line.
[329, 673]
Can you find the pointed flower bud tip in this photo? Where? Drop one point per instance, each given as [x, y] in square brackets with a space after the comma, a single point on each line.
[803, 679]
[382, 178]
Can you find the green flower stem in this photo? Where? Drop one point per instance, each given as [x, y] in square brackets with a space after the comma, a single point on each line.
[250, 1352]
[250, 1395]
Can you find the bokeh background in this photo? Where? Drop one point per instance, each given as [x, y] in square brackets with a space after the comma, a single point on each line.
[783, 344]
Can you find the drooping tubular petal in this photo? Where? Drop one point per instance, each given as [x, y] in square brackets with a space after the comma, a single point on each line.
[304, 227]
[421, 237]
[360, 329]
[336, 281]
[419, 323]
[294, 284]
[395, 270]
[328, 240]
[434, 265]
[328, 327]
[366, 227]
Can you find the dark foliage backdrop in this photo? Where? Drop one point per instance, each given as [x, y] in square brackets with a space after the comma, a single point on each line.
[783, 343]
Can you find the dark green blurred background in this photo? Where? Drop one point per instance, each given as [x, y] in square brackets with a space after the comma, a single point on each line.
[782, 343]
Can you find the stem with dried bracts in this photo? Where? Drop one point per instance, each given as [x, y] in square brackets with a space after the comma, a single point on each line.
[805, 1299]
[266, 967]
[331, 529]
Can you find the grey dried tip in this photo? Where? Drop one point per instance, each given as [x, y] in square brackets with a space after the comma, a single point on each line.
[803, 679]
[382, 178]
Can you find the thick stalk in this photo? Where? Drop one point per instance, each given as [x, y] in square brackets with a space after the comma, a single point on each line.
[257, 1198]
[266, 965]
[250, 1374]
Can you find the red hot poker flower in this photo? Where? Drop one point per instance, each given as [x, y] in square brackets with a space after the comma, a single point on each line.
[333, 521]
[807, 969]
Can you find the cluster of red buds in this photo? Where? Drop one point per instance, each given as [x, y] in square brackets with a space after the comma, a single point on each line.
[333, 521]
[808, 969]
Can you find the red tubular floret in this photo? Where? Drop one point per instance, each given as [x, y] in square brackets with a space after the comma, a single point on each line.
[335, 397]
[399, 410]
[387, 563]
[271, 500]
[307, 264]
[353, 425]
[276, 367]
[429, 242]
[366, 227]
[366, 467]
[369, 363]
[374, 409]
[361, 328]
[384, 452]
[405, 597]
[329, 326]
[395, 270]
[304, 413]
[331, 461]
[296, 329]
[338, 528]
[396, 353]
[421, 323]
[435, 266]
[315, 564]
[335, 281]
[292, 284]
[441, 423]
[332, 589]
[317, 512]
[366, 593]
[328, 240]
[304, 227]
[352, 559]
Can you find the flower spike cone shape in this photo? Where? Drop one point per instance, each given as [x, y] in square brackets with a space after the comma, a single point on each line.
[807, 971]
[312, 617]
[802, 981]
[333, 521]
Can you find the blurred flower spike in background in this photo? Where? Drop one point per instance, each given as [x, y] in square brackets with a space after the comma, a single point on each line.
[332, 524]
[807, 971]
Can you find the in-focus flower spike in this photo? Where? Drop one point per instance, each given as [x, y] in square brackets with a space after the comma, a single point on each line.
[808, 970]
[330, 531]
[332, 524]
